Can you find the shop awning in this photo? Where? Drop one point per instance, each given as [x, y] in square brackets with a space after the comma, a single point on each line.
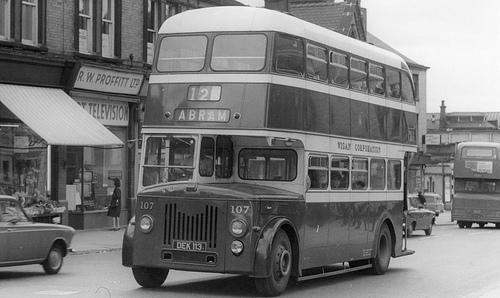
[55, 116]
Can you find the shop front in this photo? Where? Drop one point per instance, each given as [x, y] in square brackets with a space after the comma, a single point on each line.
[40, 130]
[109, 95]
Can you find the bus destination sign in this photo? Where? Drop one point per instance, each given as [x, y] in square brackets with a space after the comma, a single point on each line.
[202, 115]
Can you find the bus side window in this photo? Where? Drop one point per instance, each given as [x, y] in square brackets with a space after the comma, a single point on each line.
[407, 89]
[359, 173]
[393, 83]
[358, 75]
[316, 63]
[224, 157]
[289, 54]
[339, 69]
[376, 79]
[318, 172]
[339, 172]
[394, 175]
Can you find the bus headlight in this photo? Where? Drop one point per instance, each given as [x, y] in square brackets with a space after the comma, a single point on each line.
[238, 227]
[146, 223]
[237, 247]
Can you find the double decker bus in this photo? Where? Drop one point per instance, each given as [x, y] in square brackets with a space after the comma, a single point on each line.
[477, 184]
[272, 148]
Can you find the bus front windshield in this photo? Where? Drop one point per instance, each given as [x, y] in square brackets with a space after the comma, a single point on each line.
[167, 159]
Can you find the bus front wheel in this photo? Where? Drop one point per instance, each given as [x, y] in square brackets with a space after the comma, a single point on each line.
[384, 251]
[149, 277]
[281, 267]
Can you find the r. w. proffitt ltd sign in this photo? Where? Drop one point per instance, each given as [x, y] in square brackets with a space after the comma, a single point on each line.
[106, 80]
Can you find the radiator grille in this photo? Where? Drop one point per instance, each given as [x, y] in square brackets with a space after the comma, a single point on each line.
[191, 226]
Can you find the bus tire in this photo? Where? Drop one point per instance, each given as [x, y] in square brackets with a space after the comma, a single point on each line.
[468, 224]
[481, 224]
[497, 225]
[460, 224]
[384, 251]
[281, 267]
[149, 277]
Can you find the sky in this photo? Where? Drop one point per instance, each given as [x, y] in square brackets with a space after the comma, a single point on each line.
[459, 40]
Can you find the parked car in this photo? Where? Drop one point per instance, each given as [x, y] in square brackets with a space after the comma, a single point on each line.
[418, 217]
[433, 202]
[24, 242]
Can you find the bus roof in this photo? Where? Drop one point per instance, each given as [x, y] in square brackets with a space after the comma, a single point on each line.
[478, 144]
[237, 18]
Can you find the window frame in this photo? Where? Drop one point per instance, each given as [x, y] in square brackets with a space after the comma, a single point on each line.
[206, 53]
[359, 71]
[5, 36]
[367, 171]
[89, 18]
[337, 169]
[288, 71]
[321, 168]
[210, 54]
[268, 154]
[111, 22]
[156, 23]
[332, 65]
[399, 179]
[384, 176]
[312, 56]
[372, 90]
[34, 26]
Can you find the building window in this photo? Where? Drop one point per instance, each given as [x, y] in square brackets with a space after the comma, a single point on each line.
[108, 17]
[29, 21]
[85, 14]
[153, 23]
[4, 19]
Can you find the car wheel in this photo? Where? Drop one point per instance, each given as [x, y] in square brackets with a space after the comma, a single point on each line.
[54, 260]
[149, 277]
[384, 251]
[481, 224]
[428, 231]
[460, 224]
[281, 267]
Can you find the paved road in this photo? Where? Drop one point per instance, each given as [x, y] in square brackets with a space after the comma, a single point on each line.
[451, 263]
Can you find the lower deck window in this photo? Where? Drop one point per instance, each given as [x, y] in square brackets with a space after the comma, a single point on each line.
[267, 164]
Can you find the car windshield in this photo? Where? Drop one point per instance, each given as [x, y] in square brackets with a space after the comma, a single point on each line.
[167, 159]
[11, 212]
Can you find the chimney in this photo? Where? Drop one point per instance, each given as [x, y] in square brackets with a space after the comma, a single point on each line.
[442, 116]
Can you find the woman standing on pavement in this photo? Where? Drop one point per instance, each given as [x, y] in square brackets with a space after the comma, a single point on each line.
[115, 205]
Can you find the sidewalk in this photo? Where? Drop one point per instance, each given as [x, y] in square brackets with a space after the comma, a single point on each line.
[445, 219]
[96, 241]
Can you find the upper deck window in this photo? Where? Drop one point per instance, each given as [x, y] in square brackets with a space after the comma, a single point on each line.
[242, 52]
[182, 53]
[268, 164]
[393, 83]
[479, 153]
[376, 79]
[339, 69]
[316, 63]
[407, 89]
[288, 55]
[358, 75]
[167, 159]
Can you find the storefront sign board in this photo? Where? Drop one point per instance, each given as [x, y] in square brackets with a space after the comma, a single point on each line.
[110, 81]
[112, 113]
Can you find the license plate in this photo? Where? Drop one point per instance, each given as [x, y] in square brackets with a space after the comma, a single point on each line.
[190, 245]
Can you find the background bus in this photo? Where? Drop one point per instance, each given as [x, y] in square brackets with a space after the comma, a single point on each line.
[273, 148]
[477, 184]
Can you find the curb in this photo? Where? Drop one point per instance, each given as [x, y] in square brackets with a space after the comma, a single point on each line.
[71, 251]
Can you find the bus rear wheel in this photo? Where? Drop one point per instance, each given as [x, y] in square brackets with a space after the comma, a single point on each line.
[281, 267]
[384, 251]
[149, 277]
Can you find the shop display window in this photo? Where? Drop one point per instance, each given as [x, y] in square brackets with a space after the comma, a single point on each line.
[23, 168]
[89, 171]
